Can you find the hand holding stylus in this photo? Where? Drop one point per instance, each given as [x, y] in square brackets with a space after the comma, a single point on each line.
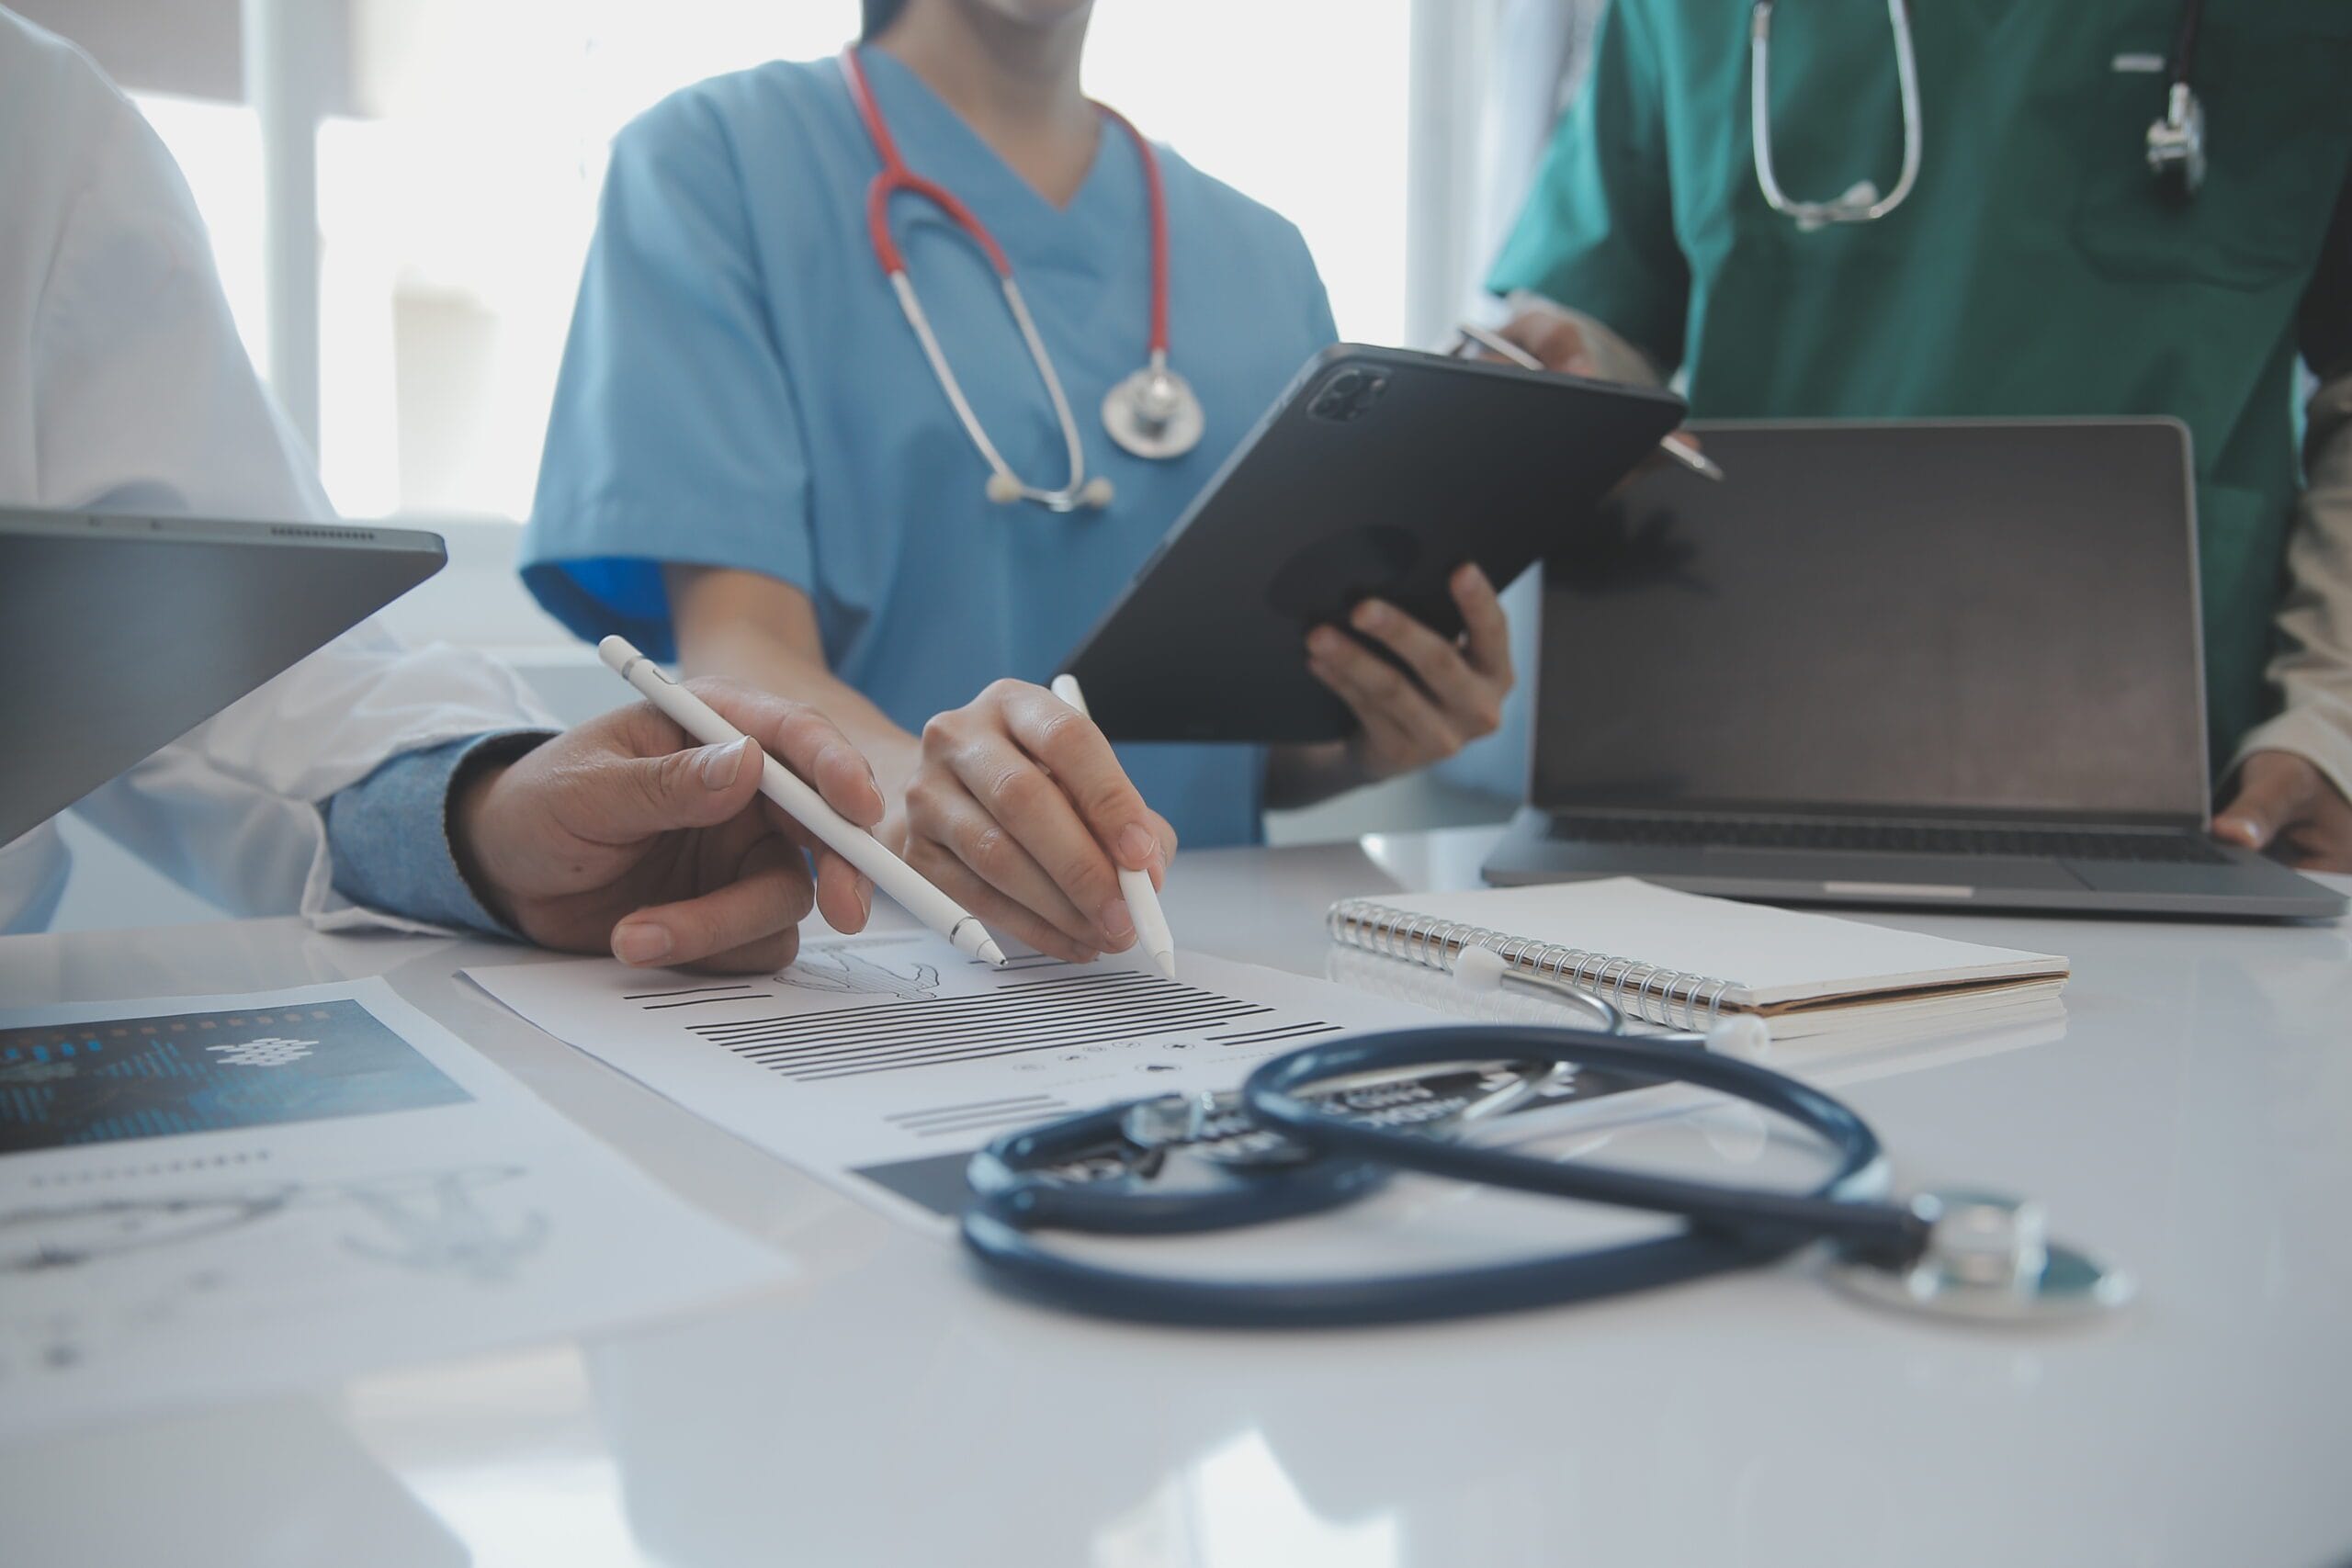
[805, 806]
[1019, 808]
[623, 835]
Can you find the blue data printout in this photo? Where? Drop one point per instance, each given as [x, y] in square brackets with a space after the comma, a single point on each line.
[143, 1078]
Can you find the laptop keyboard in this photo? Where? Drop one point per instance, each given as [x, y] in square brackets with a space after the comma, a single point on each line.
[1890, 838]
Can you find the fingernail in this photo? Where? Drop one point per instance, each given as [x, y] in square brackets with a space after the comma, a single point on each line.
[1322, 640]
[865, 896]
[1372, 615]
[722, 763]
[1116, 923]
[1136, 846]
[641, 942]
[1472, 576]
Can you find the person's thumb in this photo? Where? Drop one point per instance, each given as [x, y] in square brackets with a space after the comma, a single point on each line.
[2272, 792]
[618, 799]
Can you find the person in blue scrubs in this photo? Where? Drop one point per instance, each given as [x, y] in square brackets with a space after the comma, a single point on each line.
[751, 467]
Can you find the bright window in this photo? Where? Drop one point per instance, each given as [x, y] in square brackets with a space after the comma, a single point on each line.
[1301, 104]
[455, 212]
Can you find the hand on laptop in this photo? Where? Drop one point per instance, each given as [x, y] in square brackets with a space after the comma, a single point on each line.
[624, 834]
[1453, 696]
[2286, 807]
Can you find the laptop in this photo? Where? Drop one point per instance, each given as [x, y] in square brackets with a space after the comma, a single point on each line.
[1930, 663]
[120, 635]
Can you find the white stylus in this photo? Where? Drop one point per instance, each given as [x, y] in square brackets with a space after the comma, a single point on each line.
[779, 784]
[1134, 886]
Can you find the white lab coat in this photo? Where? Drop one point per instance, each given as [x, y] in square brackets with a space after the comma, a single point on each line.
[123, 387]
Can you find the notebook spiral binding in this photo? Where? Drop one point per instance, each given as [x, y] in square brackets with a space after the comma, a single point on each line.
[1666, 996]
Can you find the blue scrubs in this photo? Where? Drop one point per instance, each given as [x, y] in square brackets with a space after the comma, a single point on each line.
[740, 390]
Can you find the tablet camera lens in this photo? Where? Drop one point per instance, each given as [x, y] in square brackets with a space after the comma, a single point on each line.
[1347, 395]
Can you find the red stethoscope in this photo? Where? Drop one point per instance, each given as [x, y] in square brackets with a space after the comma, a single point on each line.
[1152, 414]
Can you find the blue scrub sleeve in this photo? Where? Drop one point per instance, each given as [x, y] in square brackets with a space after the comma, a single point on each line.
[389, 834]
[1596, 232]
[1322, 331]
[676, 434]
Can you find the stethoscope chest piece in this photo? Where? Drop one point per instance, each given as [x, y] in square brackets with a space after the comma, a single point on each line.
[1989, 1259]
[1154, 413]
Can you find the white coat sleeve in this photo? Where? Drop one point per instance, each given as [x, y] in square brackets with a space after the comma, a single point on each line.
[142, 399]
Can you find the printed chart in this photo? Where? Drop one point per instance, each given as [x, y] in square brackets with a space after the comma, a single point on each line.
[879, 1063]
[143, 1078]
[229, 1196]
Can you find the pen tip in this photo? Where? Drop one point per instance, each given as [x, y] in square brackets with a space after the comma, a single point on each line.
[990, 952]
[1166, 959]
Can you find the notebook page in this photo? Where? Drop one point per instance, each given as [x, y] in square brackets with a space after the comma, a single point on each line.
[1771, 957]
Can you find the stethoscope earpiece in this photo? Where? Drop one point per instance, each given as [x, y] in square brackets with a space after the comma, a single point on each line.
[1094, 495]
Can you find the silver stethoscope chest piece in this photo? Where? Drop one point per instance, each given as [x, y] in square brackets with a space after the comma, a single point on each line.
[1154, 413]
[1989, 1258]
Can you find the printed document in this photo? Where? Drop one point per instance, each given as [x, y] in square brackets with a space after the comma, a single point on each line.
[879, 1064]
[218, 1197]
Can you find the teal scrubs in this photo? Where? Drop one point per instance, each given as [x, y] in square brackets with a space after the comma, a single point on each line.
[2035, 269]
[740, 390]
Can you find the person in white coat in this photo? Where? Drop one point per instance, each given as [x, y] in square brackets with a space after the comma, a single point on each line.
[369, 784]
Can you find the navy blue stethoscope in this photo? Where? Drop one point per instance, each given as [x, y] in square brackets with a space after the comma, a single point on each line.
[1327, 1125]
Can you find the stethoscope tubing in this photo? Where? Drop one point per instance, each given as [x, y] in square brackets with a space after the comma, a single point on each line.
[1759, 110]
[2183, 110]
[895, 179]
[1016, 1257]
[1862, 1229]
[1727, 1229]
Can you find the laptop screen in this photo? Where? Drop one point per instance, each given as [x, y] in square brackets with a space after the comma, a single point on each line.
[1915, 618]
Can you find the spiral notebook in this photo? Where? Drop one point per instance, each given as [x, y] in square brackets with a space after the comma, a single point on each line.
[1678, 958]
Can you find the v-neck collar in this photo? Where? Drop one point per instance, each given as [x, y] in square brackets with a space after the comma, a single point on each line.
[925, 125]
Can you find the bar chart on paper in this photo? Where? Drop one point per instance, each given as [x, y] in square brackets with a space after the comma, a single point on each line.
[879, 1063]
[144, 1077]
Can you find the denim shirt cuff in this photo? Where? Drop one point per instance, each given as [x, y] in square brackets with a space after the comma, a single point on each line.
[389, 834]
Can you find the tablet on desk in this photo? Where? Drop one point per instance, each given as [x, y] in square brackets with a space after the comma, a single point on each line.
[121, 633]
[1378, 472]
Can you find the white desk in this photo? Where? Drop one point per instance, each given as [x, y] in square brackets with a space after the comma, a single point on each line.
[2195, 1123]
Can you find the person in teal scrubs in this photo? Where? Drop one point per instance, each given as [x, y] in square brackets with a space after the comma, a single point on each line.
[2036, 267]
[751, 466]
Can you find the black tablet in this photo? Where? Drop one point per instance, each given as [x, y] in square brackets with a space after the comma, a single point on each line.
[1378, 472]
[121, 634]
